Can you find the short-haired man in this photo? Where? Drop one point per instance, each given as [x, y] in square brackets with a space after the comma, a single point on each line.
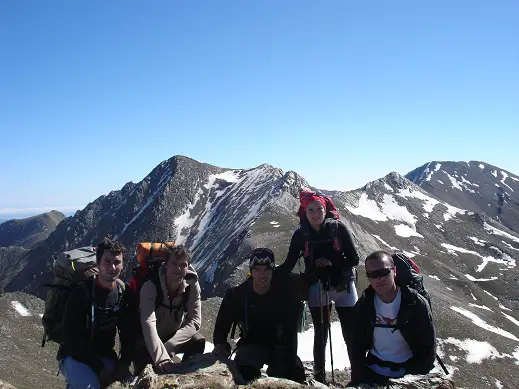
[393, 326]
[87, 357]
[170, 314]
[265, 310]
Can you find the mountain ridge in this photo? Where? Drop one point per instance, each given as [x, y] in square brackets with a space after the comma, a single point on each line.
[467, 257]
[29, 232]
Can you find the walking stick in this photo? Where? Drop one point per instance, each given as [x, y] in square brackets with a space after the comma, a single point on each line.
[322, 323]
[442, 365]
[330, 329]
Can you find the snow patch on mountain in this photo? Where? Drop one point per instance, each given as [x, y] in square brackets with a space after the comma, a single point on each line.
[388, 209]
[509, 245]
[481, 166]
[451, 212]
[483, 324]
[455, 184]
[185, 221]
[388, 187]
[384, 242]
[471, 278]
[340, 352]
[397, 212]
[429, 202]
[430, 173]
[494, 297]
[505, 176]
[476, 350]
[480, 307]
[405, 231]
[477, 241]
[512, 319]
[367, 208]
[467, 182]
[20, 308]
[506, 259]
[516, 355]
[497, 231]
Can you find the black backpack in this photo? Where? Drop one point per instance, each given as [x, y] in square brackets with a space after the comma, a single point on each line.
[70, 268]
[408, 274]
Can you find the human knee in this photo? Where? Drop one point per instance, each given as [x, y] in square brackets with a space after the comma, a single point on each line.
[198, 344]
[248, 372]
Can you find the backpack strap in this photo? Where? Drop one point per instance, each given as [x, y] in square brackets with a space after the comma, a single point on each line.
[92, 308]
[393, 326]
[333, 230]
[243, 326]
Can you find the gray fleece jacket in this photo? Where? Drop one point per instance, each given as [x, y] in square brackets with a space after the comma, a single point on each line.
[164, 328]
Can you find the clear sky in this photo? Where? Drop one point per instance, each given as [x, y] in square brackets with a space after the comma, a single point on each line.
[96, 93]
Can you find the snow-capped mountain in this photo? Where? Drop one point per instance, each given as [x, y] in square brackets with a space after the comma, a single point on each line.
[468, 255]
[475, 186]
[210, 209]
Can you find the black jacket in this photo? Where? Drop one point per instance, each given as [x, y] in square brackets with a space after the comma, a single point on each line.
[77, 342]
[415, 324]
[321, 246]
[263, 319]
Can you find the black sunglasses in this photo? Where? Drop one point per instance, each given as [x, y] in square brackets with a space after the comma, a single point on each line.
[379, 273]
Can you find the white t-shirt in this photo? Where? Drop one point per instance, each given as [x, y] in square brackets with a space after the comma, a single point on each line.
[388, 343]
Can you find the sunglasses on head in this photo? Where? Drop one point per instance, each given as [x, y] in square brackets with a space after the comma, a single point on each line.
[379, 273]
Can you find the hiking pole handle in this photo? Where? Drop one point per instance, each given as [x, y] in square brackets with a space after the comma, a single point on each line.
[442, 365]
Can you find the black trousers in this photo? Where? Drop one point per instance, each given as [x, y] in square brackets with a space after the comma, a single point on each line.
[321, 332]
[282, 363]
[195, 345]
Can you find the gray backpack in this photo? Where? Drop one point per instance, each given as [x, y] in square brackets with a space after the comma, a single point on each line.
[70, 267]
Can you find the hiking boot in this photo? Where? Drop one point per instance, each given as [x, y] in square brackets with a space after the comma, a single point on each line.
[320, 376]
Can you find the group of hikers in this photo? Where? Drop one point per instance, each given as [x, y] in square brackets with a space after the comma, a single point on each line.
[389, 331]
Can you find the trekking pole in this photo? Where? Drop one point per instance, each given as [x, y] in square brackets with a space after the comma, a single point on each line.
[322, 323]
[330, 329]
[442, 365]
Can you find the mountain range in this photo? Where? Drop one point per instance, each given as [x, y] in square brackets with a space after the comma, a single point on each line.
[458, 220]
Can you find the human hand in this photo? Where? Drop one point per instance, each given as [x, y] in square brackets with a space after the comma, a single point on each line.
[323, 262]
[165, 367]
[221, 351]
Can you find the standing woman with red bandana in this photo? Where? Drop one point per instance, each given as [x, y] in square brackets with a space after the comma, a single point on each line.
[329, 256]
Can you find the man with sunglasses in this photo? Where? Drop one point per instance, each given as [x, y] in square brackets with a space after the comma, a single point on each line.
[394, 332]
[265, 310]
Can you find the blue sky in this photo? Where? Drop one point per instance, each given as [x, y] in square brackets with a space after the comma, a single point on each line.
[95, 94]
